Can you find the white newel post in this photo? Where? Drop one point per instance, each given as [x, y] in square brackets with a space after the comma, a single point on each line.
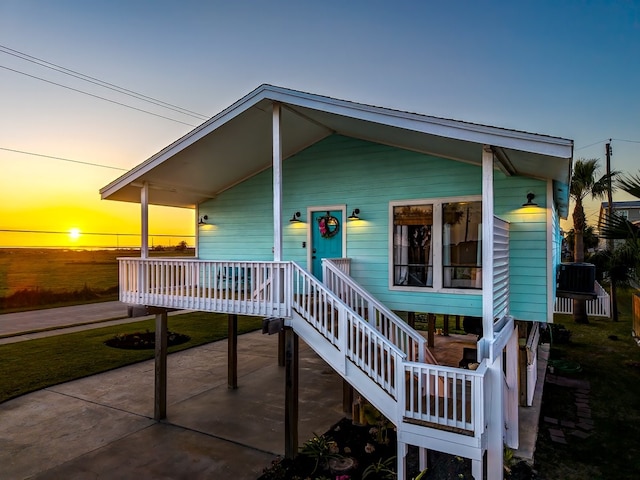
[144, 220]
[495, 420]
[144, 239]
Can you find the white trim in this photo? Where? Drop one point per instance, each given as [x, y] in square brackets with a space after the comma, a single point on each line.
[277, 182]
[436, 244]
[487, 243]
[551, 300]
[343, 230]
[144, 220]
[454, 129]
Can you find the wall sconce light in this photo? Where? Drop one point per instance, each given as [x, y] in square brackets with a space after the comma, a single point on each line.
[203, 220]
[530, 202]
[295, 218]
[354, 214]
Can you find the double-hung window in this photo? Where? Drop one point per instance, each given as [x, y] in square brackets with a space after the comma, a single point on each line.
[437, 244]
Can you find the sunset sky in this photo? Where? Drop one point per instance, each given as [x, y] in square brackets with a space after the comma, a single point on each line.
[564, 68]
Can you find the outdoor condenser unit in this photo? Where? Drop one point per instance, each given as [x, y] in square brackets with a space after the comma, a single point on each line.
[576, 280]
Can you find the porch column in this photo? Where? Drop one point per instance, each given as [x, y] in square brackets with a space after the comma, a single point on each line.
[495, 420]
[144, 220]
[232, 352]
[511, 402]
[487, 246]
[291, 393]
[160, 401]
[277, 183]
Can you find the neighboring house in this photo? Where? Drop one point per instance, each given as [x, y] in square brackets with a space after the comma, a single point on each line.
[337, 217]
[627, 210]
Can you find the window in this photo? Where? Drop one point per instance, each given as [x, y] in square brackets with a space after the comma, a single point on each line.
[436, 243]
[461, 245]
[412, 251]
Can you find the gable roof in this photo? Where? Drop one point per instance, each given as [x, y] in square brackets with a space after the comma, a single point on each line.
[237, 143]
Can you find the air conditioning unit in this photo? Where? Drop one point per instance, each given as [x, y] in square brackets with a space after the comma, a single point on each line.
[576, 280]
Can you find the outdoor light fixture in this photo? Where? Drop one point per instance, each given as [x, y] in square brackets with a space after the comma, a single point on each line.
[295, 218]
[203, 220]
[354, 214]
[530, 202]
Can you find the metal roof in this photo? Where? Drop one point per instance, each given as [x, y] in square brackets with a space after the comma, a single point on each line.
[237, 143]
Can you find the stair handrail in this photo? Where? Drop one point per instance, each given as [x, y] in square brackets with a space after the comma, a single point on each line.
[343, 336]
[331, 272]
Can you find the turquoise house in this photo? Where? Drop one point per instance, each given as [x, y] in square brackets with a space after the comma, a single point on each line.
[342, 220]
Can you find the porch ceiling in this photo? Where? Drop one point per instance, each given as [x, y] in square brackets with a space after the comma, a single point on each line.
[237, 143]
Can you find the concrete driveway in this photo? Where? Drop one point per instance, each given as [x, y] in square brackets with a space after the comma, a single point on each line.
[102, 427]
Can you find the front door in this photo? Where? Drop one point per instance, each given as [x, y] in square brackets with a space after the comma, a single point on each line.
[326, 238]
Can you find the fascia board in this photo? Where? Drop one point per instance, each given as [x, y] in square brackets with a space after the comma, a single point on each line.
[476, 133]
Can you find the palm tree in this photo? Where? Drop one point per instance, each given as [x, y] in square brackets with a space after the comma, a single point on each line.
[618, 228]
[584, 184]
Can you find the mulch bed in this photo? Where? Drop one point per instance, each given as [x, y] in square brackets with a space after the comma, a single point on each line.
[144, 340]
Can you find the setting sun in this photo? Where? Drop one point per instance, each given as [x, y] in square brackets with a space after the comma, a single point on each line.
[74, 234]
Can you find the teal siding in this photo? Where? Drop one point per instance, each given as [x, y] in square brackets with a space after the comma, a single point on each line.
[340, 170]
[527, 245]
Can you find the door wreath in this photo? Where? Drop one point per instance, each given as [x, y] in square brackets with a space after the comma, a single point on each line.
[328, 226]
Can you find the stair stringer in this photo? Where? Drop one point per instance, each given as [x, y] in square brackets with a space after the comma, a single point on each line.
[454, 443]
[348, 370]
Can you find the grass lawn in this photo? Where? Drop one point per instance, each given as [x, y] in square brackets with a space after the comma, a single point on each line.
[35, 364]
[610, 361]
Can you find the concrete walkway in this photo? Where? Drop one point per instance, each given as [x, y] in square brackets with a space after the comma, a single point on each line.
[21, 326]
[102, 426]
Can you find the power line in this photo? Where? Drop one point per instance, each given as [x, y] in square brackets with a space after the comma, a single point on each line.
[98, 97]
[101, 83]
[623, 140]
[591, 145]
[60, 158]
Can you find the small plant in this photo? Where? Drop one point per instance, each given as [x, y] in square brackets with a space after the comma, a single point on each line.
[508, 460]
[382, 469]
[379, 424]
[321, 449]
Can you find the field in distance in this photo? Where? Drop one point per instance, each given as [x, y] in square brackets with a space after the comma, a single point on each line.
[60, 270]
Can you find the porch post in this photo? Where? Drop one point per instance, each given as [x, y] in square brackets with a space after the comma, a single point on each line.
[512, 436]
[160, 401]
[291, 394]
[277, 183]
[495, 410]
[487, 245]
[232, 352]
[144, 206]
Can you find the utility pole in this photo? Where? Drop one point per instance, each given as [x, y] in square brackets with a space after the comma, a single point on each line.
[610, 243]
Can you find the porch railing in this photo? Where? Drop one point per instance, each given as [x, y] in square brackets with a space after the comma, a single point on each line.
[250, 288]
[357, 348]
[598, 307]
[346, 330]
[379, 316]
[446, 396]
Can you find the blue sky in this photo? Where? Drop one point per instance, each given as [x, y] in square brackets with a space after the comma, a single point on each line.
[563, 68]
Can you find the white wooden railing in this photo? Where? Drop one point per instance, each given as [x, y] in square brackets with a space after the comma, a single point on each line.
[378, 315]
[249, 288]
[348, 332]
[598, 307]
[357, 348]
[446, 396]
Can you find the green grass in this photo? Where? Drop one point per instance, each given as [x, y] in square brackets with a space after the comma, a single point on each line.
[42, 278]
[36, 364]
[612, 366]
